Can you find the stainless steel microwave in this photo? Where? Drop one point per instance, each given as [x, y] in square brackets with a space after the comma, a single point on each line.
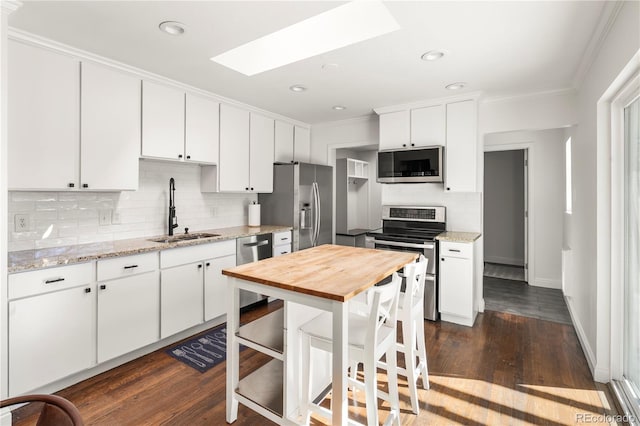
[411, 165]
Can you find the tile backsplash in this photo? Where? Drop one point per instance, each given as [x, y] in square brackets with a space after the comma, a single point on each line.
[73, 217]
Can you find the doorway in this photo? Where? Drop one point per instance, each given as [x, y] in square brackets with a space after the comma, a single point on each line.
[505, 214]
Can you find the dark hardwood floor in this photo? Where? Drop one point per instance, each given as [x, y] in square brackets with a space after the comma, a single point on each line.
[505, 370]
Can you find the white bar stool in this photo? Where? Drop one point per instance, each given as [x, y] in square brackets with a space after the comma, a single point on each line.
[370, 337]
[411, 314]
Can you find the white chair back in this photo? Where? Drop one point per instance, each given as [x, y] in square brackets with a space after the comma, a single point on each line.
[383, 310]
[415, 274]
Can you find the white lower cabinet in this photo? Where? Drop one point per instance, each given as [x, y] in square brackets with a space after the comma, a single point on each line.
[281, 243]
[131, 304]
[216, 286]
[190, 280]
[457, 283]
[181, 298]
[51, 334]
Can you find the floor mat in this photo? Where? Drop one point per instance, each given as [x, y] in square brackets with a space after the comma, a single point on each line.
[204, 350]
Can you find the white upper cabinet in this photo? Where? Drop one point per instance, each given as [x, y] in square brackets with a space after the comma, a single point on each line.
[110, 129]
[414, 128]
[428, 126]
[234, 149]
[301, 144]
[44, 116]
[246, 151]
[162, 121]
[283, 150]
[395, 130]
[202, 123]
[261, 143]
[461, 151]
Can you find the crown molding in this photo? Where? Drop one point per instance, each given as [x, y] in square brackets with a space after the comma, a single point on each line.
[9, 6]
[429, 102]
[608, 16]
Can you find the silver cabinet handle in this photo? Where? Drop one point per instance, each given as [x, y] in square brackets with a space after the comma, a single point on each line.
[54, 280]
[395, 244]
[455, 250]
[258, 244]
[130, 266]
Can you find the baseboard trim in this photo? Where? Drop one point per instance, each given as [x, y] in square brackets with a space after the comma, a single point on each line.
[582, 338]
[504, 260]
[546, 283]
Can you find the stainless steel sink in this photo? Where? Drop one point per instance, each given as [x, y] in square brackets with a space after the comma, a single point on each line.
[183, 237]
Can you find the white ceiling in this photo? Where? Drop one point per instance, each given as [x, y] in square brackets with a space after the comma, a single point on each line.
[501, 48]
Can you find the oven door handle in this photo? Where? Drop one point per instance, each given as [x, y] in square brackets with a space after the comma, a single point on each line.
[429, 246]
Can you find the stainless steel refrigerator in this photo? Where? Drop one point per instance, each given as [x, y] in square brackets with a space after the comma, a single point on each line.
[302, 198]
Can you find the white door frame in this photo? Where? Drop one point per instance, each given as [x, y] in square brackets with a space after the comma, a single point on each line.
[529, 230]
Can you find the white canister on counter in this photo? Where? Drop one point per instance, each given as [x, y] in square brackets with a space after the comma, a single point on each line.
[254, 214]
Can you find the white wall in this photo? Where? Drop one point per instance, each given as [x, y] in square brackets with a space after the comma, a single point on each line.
[504, 195]
[73, 216]
[589, 260]
[546, 154]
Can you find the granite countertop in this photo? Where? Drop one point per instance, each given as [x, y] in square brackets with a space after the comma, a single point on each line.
[26, 260]
[458, 237]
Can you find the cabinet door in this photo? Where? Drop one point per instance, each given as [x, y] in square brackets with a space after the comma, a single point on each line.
[460, 154]
[44, 116]
[215, 286]
[234, 149]
[428, 126]
[162, 121]
[261, 154]
[131, 304]
[301, 144]
[181, 298]
[50, 337]
[456, 286]
[283, 151]
[110, 129]
[202, 122]
[394, 130]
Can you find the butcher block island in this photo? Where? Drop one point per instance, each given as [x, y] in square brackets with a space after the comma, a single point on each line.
[310, 281]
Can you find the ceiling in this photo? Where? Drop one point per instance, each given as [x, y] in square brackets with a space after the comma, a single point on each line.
[500, 48]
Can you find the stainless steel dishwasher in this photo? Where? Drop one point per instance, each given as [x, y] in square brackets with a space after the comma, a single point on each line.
[252, 249]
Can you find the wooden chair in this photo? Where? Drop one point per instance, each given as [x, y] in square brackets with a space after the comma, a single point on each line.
[56, 411]
[370, 337]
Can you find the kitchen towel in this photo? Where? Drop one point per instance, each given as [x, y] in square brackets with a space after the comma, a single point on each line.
[254, 214]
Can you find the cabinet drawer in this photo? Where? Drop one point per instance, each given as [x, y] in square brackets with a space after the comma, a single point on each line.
[119, 267]
[283, 237]
[282, 249]
[181, 256]
[51, 279]
[463, 250]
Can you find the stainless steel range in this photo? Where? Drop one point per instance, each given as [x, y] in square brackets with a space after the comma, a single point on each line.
[414, 228]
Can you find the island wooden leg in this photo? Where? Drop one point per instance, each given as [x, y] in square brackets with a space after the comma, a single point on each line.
[233, 350]
[340, 404]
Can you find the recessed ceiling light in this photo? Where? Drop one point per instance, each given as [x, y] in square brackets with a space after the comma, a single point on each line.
[342, 26]
[172, 28]
[456, 86]
[432, 55]
[339, 107]
[329, 67]
[297, 88]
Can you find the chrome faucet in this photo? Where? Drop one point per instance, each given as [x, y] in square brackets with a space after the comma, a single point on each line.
[173, 220]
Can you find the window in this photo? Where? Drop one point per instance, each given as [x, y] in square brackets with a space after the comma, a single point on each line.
[567, 178]
[631, 350]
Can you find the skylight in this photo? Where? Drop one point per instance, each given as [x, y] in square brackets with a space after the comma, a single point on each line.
[345, 25]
